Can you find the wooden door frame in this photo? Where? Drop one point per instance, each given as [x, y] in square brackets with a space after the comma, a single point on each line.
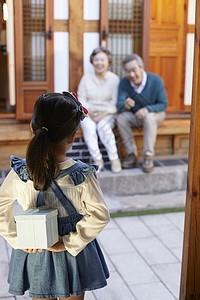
[190, 287]
[104, 27]
[21, 85]
[146, 33]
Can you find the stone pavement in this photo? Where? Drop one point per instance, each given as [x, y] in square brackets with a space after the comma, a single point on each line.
[143, 254]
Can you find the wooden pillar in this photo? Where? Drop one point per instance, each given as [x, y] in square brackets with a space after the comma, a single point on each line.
[75, 43]
[190, 275]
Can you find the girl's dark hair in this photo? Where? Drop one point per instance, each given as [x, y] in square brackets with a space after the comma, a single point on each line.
[56, 116]
[99, 50]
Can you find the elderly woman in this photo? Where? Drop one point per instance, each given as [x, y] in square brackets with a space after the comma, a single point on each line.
[97, 91]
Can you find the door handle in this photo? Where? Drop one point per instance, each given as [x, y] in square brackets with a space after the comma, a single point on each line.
[49, 34]
[104, 34]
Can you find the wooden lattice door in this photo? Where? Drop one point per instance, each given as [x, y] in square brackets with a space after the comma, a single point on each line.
[125, 30]
[34, 53]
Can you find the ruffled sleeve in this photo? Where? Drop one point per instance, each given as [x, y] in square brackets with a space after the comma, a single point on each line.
[19, 166]
[80, 175]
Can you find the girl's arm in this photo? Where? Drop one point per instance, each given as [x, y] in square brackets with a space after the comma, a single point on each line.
[96, 218]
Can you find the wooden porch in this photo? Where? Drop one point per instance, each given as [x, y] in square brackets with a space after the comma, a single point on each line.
[172, 139]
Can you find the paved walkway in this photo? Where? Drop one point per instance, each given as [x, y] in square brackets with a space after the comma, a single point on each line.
[143, 254]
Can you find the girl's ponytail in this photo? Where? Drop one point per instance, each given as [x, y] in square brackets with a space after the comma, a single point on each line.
[56, 117]
[40, 160]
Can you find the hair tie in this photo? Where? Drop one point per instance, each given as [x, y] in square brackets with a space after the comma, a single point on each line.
[45, 129]
[81, 108]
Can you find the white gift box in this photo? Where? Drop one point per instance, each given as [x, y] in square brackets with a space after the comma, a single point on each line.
[37, 228]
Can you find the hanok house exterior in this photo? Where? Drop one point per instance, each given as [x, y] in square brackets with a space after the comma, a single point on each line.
[45, 47]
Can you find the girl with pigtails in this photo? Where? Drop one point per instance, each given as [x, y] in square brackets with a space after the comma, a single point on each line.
[74, 264]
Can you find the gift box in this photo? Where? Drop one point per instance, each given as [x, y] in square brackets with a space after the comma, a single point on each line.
[37, 228]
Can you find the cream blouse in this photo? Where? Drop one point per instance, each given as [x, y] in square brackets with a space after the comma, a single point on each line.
[98, 95]
[86, 197]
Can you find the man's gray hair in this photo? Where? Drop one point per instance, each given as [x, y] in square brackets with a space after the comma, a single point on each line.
[133, 57]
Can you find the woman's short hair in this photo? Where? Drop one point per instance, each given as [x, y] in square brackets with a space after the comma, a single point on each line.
[99, 50]
[131, 57]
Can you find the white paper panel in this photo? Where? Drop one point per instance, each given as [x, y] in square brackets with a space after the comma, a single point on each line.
[61, 9]
[120, 43]
[91, 9]
[90, 42]
[11, 52]
[61, 61]
[189, 68]
[191, 11]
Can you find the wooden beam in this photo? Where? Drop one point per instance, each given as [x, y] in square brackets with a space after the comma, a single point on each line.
[190, 275]
[76, 26]
[91, 26]
[60, 25]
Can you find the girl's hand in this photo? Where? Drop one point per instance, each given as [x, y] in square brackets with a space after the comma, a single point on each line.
[32, 250]
[58, 247]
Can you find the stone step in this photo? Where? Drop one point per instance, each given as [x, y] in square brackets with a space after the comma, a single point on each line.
[163, 179]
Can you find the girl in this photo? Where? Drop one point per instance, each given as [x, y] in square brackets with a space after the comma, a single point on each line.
[75, 264]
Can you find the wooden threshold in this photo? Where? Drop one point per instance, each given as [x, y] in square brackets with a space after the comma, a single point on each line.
[7, 115]
[178, 115]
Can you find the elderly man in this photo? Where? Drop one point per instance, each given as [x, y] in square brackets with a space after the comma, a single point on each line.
[142, 101]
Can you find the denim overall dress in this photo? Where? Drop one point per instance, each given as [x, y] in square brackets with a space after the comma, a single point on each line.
[50, 274]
